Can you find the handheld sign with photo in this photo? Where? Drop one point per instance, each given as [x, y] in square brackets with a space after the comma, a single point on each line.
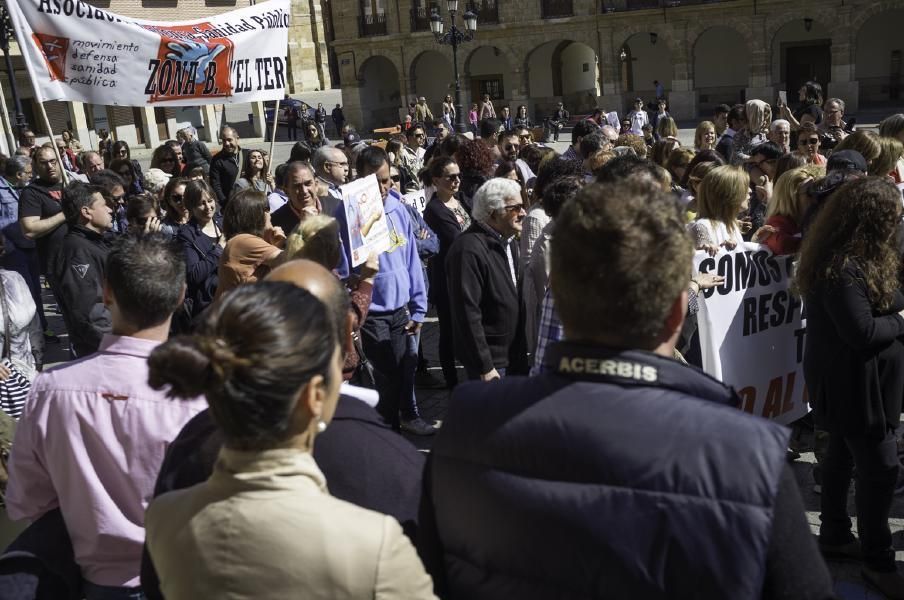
[783, 98]
[752, 330]
[368, 230]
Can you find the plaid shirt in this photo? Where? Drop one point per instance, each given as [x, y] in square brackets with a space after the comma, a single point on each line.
[551, 331]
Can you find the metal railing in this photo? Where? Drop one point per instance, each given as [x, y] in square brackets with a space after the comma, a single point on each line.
[487, 11]
[609, 6]
[557, 8]
[373, 24]
[420, 17]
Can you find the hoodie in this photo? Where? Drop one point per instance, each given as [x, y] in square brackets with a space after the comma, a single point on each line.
[400, 282]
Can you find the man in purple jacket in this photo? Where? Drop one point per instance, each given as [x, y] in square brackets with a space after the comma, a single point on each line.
[399, 302]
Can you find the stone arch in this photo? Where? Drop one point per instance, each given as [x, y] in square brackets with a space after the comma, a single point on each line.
[487, 68]
[798, 55]
[566, 70]
[379, 90]
[431, 75]
[878, 53]
[645, 62]
[721, 59]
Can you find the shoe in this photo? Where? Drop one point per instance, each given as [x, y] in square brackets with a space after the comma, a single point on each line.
[50, 336]
[842, 552]
[418, 426]
[890, 583]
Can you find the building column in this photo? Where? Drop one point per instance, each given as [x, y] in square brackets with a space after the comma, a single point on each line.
[682, 96]
[759, 82]
[79, 120]
[843, 83]
[211, 120]
[609, 73]
[258, 119]
[149, 126]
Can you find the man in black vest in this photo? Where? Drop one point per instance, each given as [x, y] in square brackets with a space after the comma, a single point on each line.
[619, 473]
[226, 166]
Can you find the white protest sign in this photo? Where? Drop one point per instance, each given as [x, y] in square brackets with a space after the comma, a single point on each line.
[417, 199]
[75, 51]
[752, 331]
[612, 119]
[368, 230]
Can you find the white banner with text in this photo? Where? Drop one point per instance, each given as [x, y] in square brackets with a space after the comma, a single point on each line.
[77, 52]
[752, 331]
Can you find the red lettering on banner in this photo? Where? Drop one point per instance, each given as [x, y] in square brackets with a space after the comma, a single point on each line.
[748, 398]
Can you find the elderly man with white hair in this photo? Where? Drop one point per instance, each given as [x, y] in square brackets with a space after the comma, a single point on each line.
[484, 275]
[780, 134]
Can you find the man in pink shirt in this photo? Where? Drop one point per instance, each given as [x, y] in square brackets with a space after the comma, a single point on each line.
[93, 434]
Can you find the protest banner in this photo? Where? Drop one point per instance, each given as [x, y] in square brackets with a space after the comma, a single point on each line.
[77, 52]
[752, 331]
[367, 228]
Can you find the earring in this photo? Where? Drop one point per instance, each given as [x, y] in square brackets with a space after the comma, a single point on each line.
[321, 425]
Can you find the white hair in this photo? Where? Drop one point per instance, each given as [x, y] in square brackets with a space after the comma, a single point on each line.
[778, 122]
[155, 180]
[491, 197]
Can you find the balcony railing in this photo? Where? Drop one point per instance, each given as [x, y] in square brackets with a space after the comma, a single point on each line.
[373, 24]
[609, 6]
[487, 11]
[420, 17]
[553, 9]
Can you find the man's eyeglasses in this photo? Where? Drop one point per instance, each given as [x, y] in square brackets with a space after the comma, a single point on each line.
[337, 164]
[396, 178]
[419, 135]
[513, 208]
[48, 163]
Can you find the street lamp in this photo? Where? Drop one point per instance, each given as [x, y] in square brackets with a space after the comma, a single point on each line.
[454, 37]
[7, 33]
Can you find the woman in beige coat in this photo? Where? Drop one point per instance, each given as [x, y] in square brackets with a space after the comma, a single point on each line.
[264, 525]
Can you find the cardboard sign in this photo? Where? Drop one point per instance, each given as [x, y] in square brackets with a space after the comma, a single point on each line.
[368, 230]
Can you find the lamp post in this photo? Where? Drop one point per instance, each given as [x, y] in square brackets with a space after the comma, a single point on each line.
[7, 33]
[454, 37]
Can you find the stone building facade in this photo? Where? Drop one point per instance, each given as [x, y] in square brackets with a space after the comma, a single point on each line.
[147, 126]
[604, 53]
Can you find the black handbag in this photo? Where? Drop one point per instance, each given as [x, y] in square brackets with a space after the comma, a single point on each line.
[364, 373]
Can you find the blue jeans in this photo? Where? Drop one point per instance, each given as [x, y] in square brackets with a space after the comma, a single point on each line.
[108, 592]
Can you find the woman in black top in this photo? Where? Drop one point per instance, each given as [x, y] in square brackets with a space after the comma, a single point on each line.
[203, 240]
[808, 111]
[854, 365]
[448, 217]
[121, 150]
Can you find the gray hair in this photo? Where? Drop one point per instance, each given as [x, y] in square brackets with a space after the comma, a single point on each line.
[15, 165]
[155, 180]
[82, 158]
[491, 197]
[778, 122]
[323, 155]
[837, 101]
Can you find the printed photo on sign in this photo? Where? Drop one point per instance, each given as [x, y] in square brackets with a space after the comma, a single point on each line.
[190, 68]
[752, 330]
[367, 228]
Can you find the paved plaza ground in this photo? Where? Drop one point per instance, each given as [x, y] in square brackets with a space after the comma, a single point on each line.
[434, 400]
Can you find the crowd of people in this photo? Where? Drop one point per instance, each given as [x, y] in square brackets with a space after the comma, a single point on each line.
[230, 427]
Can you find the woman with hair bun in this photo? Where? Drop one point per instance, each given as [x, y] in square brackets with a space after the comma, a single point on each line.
[268, 360]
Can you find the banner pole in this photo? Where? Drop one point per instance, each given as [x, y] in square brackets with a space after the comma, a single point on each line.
[56, 150]
[273, 136]
[6, 123]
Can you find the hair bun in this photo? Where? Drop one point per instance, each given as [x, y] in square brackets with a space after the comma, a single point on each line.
[221, 359]
[178, 363]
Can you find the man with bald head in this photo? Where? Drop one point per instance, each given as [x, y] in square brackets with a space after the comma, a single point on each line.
[364, 461]
[331, 168]
[225, 166]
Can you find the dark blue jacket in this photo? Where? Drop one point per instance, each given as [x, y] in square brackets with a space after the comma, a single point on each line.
[615, 475]
[202, 259]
